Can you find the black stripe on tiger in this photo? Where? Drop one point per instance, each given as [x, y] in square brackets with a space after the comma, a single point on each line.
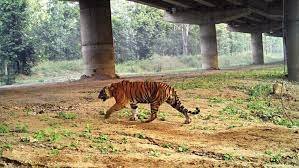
[176, 103]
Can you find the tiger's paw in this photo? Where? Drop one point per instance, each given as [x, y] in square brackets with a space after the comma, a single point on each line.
[133, 118]
[106, 116]
[187, 121]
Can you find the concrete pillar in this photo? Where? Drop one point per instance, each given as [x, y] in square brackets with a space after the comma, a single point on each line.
[208, 46]
[257, 48]
[96, 38]
[292, 38]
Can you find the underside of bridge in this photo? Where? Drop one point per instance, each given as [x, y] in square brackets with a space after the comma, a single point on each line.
[248, 16]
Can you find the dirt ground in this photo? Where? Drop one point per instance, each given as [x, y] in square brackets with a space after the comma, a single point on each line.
[50, 139]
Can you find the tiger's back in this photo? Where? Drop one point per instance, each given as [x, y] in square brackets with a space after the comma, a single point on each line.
[146, 92]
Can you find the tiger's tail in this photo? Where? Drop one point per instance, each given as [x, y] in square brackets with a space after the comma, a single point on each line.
[176, 103]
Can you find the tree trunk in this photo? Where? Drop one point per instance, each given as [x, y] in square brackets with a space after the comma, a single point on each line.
[5, 68]
[185, 34]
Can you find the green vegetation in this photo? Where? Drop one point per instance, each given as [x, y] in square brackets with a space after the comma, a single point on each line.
[167, 145]
[143, 114]
[40, 135]
[224, 79]
[4, 128]
[21, 128]
[54, 152]
[48, 135]
[67, 116]
[228, 156]
[260, 90]
[140, 135]
[5, 146]
[54, 137]
[183, 148]
[274, 157]
[144, 42]
[162, 116]
[231, 110]
[106, 148]
[216, 100]
[102, 138]
[154, 153]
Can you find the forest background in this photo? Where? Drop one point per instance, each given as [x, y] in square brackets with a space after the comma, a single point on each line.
[40, 42]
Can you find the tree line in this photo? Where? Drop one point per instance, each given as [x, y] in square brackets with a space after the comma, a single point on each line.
[36, 30]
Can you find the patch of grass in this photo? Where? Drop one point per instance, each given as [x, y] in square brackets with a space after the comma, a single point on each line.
[182, 148]
[216, 100]
[140, 135]
[102, 138]
[274, 158]
[54, 137]
[5, 146]
[40, 135]
[4, 128]
[154, 153]
[105, 149]
[67, 116]
[167, 145]
[208, 117]
[28, 111]
[124, 140]
[162, 116]
[224, 79]
[239, 101]
[260, 90]
[263, 110]
[230, 110]
[228, 156]
[73, 144]
[54, 152]
[286, 122]
[54, 124]
[125, 113]
[86, 133]
[67, 133]
[21, 128]
[143, 114]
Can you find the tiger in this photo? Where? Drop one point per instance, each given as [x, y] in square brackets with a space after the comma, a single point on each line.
[154, 93]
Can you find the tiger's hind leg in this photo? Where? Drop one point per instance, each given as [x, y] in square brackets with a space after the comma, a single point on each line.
[115, 107]
[154, 111]
[134, 116]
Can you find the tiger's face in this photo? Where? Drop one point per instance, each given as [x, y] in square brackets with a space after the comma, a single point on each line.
[104, 94]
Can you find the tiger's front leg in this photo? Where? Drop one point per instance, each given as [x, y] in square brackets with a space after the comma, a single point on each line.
[115, 107]
[134, 116]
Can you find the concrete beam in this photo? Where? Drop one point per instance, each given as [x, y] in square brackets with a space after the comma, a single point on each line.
[292, 38]
[273, 15]
[213, 17]
[177, 3]
[96, 38]
[235, 2]
[257, 48]
[208, 46]
[205, 3]
[158, 5]
[270, 27]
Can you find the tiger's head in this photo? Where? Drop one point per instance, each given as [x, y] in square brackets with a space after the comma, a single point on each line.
[104, 93]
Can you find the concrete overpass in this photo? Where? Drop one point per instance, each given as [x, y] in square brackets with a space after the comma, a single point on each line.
[249, 16]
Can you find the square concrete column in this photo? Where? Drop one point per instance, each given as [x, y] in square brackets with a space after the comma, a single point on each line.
[292, 38]
[97, 39]
[257, 48]
[208, 46]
